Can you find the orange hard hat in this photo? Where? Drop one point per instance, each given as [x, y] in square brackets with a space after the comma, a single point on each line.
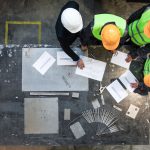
[110, 37]
[147, 80]
[147, 29]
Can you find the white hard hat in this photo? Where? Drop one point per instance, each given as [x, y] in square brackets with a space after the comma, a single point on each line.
[72, 20]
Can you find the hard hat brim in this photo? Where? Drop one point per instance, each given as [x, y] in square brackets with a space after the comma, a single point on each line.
[147, 30]
[147, 80]
[77, 29]
[110, 47]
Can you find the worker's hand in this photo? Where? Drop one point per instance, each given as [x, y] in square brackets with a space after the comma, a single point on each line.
[135, 85]
[84, 48]
[114, 52]
[128, 59]
[80, 64]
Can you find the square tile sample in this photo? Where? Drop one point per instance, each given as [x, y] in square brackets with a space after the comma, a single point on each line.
[75, 95]
[57, 78]
[41, 116]
[77, 130]
[132, 111]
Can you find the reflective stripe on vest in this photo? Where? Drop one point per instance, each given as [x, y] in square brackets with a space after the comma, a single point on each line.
[147, 67]
[132, 35]
[101, 19]
[142, 38]
[136, 29]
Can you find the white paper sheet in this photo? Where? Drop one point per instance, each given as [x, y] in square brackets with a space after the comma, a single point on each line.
[127, 78]
[44, 62]
[117, 91]
[63, 59]
[93, 69]
[132, 111]
[96, 104]
[119, 59]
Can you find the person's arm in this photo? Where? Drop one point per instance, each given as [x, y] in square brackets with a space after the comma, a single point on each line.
[70, 4]
[85, 35]
[141, 89]
[68, 50]
[137, 14]
[123, 40]
[140, 52]
[72, 54]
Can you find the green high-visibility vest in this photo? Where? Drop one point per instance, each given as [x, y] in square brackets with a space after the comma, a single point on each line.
[136, 29]
[102, 19]
[147, 67]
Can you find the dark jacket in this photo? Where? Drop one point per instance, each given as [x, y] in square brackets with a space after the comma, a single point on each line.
[137, 14]
[137, 67]
[64, 36]
[140, 52]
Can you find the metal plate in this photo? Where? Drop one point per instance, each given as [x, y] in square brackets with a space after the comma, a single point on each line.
[57, 78]
[41, 115]
[77, 130]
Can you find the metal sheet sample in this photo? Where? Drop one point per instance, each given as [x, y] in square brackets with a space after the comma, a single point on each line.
[41, 116]
[77, 130]
[67, 114]
[57, 78]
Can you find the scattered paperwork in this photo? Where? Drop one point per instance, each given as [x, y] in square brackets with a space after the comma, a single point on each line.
[93, 69]
[119, 59]
[127, 78]
[117, 91]
[44, 62]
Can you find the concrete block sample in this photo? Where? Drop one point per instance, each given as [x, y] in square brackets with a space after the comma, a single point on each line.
[66, 114]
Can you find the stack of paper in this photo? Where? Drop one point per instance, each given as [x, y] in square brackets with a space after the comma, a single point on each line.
[117, 91]
[63, 59]
[93, 69]
[119, 59]
[44, 63]
[127, 78]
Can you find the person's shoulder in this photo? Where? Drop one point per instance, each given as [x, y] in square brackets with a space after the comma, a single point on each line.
[71, 4]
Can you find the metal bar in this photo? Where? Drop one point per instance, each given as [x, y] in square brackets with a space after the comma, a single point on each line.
[48, 93]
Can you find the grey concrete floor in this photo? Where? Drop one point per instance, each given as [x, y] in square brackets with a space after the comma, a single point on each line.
[11, 100]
